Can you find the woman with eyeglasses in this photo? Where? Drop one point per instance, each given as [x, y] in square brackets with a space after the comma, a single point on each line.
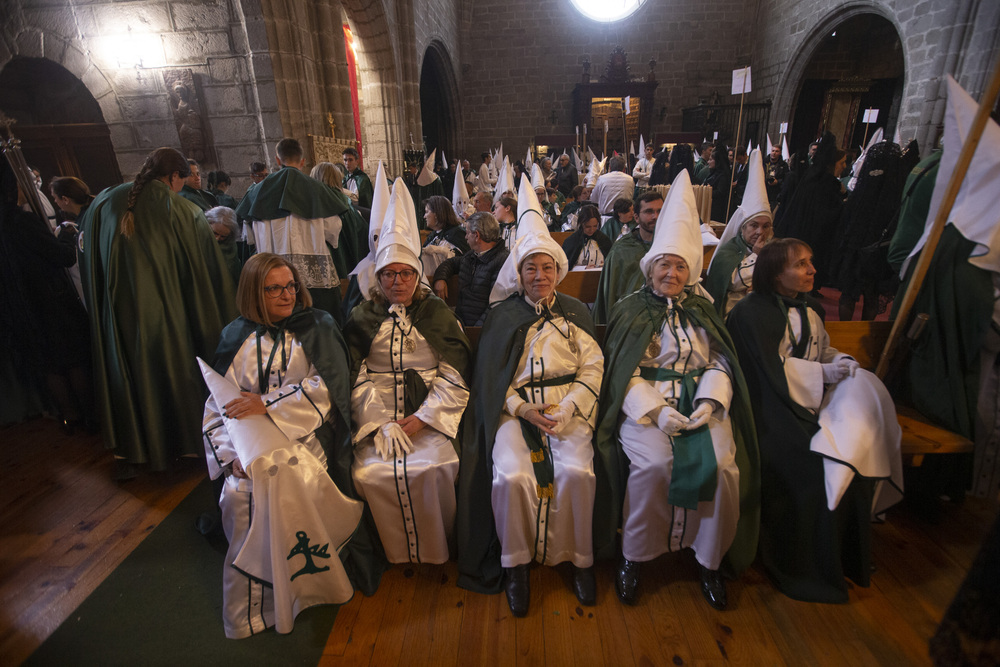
[291, 364]
[409, 358]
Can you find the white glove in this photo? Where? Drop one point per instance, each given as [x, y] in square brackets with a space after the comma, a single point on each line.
[562, 414]
[391, 440]
[701, 414]
[670, 421]
[525, 408]
[837, 370]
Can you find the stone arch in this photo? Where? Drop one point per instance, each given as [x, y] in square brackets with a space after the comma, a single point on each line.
[791, 83]
[439, 100]
[60, 124]
[381, 85]
[34, 42]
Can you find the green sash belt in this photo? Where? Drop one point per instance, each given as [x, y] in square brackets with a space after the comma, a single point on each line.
[542, 463]
[694, 475]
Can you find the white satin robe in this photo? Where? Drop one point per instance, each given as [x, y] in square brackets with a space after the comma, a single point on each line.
[740, 283]
[590, 256]
[297, 493]
[859, 433]
[412, 496]
[651, 526]
[303, 243]
[557, 529]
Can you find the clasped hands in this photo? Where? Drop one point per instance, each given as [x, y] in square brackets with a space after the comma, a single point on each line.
[671, 422]
[392, 438]
[549, 423]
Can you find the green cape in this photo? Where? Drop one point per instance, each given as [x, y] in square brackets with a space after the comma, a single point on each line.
[290, 192]
[365, 189]
[431, 316]
[805, 548]
[621, 274]
[363, 557]
[725, 260]
[157, 300]
[627, 338]
[200, 198]
[499, 352]
[918, 191]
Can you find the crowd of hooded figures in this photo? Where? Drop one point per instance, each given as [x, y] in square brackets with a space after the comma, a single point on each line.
[346, 433]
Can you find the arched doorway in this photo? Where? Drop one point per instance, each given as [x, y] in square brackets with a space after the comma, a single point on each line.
[438, 101]
[59, 123]
[858, 64]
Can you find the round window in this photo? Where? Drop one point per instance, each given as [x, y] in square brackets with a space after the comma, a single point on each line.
[607, 10]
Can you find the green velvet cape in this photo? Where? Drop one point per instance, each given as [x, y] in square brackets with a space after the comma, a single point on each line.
[157, 300]
[363, 557]
[290, 192]
[725, 260]
[628, 335]
[621, 274]
[499, 352]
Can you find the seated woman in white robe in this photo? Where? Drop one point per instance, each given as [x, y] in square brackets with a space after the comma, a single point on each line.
[673, 403]
[534, 421]
[290, 362]
[827, 429]
[587, 247]
[408, 356]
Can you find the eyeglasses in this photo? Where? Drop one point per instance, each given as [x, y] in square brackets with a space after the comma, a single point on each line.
[274, 291]
[390, 276]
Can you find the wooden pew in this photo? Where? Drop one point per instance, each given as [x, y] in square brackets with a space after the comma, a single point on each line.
[864, 341]
[560, 237]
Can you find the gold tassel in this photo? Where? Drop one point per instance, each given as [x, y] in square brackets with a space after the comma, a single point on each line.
[544, 492]
[538, 457]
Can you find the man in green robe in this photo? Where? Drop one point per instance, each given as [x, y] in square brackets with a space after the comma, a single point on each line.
[301, 219]
[621, 274]
[159, 294]
[192, 189]
[356, 180]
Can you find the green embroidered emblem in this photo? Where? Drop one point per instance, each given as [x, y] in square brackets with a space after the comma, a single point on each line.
[308, 551]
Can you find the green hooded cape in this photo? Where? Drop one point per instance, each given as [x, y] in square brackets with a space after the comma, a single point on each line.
[499, 352]
[725, 260]
[621, 274]
[157, 300]
[628, 336]
[363, 557]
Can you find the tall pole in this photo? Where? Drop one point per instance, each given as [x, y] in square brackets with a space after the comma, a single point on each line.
[739, 124]
[944, 211]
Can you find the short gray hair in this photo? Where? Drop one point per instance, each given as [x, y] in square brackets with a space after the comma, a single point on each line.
[223, 215]
[485, 225]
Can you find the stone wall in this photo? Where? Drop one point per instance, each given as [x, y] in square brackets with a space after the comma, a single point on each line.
[520, 61]
[94, 40]
[938, 37]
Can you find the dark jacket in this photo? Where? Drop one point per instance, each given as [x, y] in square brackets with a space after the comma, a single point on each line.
[476, 275]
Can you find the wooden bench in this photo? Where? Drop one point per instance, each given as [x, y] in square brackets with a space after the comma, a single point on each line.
[864, 341]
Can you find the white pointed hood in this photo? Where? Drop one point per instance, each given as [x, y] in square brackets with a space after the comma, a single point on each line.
[896, 139]
[577, 162]
[365, 269]
[975, 213]
[427, 174]
[531, 234]
[537, 180]
[642, 148]
[755, 201]
[856, 168]
[631, 148]
[505, 181]
[769, 144]
[459, 193]
[399, 240]
[677, 229]
[528, 161]
[785, 155]
[596, 169]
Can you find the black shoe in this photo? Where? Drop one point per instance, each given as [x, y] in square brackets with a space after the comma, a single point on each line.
[584, 586]
[627, 581]
[713, 587]
[518, 590]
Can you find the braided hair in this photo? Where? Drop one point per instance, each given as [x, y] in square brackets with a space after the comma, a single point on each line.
[161, 162]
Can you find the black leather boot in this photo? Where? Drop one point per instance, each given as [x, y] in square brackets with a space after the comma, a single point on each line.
[713, 587]
[518, 590]
[627, 581]
[584, 586]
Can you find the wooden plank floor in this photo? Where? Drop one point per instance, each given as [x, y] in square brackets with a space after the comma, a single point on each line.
[64, 525]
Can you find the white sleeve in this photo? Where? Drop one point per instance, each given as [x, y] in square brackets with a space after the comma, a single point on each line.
[447, 397]
[367, 410]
